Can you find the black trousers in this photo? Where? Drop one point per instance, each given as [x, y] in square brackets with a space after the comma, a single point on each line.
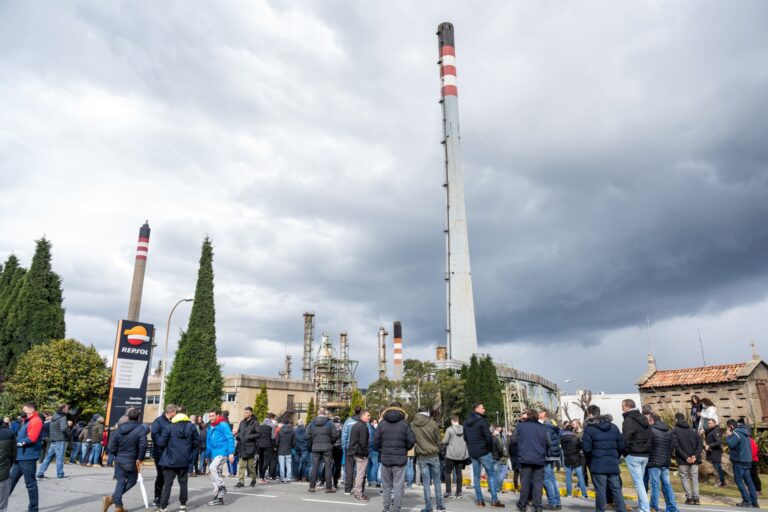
[532, 484]
[450, 464]
[159, 480]
[265, 458]
[273, 465]
[349, 472]
[327, 459]
[754, 471]
[337, 454]
[169, 474]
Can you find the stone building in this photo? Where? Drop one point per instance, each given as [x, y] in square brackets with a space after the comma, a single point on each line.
[737, 390]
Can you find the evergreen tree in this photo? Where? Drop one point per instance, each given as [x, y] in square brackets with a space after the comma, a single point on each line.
[311, 412]
[474, 388]
[356, 400]
[195, 378]
[10, 286]
[36, 315]
[261, 404]
[492, 397]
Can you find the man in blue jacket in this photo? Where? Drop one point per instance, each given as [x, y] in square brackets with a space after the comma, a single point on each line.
[178, 441]
[219, 448]
[532, 441]
[738, 441]
[29, 442]
[301, 460]
[603, 444]
[477, 434]
[128, 444]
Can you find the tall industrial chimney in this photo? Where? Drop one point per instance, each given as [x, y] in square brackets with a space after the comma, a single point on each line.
[309, 332]
[343, 346]
[460, 330]
[287, 368]
[382, 352]
[398, 351]
[139, 268]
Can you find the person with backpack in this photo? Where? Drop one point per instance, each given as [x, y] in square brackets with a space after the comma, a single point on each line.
[688, 447]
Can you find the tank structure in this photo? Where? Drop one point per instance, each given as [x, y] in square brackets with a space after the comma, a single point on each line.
[334, 374]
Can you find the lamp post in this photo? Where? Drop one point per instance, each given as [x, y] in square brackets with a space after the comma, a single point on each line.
[418, 389]
[165, 356]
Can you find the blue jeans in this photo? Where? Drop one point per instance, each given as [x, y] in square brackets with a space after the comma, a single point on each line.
[126, 478]
[54, 450]
[191, 469]
[96, 453]
[636, 466]
[76, 455]
[409, 473]
[430, 474]
[744, 482]
[373, 467]
[602, 482]
[579, 476]
[720, 473]
[26, 468]
[286, 468]
[485, 462]
[550, 485]
[659, 477]
[501, 473]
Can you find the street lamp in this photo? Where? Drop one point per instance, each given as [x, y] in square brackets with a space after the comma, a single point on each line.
[418, 388]
[165, 356]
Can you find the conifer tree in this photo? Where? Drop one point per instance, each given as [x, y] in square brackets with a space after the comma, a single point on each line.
[311, 412]
[492, 397]
[474, 383]
[261, 404]
[195, 379]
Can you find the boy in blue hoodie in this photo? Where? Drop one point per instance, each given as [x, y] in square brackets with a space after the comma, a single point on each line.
[219, 448]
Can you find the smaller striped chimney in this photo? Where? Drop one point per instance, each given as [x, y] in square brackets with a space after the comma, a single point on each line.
[398, 348]
[140, 267]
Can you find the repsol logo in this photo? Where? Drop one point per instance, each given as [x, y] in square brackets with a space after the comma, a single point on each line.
[129, 350]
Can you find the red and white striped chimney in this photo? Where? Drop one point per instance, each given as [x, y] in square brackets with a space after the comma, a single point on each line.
[139, 268]
[398, 348]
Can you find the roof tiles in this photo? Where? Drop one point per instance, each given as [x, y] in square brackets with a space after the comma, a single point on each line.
[694, 376]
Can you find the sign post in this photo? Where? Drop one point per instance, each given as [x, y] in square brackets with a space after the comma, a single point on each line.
[130, 368]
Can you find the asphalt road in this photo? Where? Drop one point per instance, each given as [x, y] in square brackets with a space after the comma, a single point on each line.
[83, 491]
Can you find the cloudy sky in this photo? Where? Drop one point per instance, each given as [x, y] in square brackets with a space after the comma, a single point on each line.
[615, 157]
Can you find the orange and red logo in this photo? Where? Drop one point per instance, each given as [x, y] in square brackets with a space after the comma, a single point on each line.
[137, 335]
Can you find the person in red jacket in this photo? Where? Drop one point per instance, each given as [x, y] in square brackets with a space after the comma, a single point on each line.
[754, 470]
[29, 442]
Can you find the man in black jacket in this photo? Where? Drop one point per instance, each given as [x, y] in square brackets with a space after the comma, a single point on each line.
[128, 444]
[57, 442]
[7, 459]
[393, 439]
[688, 447]
[178, 441]
[713, 445]
[156, 430]
[321, 434]
[286, 440]
[637, 440]
[357, 449]
[477, 434]
[266, 447]
[659, 460]
[247, 440]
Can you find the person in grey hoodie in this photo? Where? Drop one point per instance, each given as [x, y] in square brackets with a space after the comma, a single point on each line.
[456, 455]
[58, 442]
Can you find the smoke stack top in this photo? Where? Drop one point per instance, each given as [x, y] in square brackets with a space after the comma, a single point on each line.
[398, 330]
[447, 60]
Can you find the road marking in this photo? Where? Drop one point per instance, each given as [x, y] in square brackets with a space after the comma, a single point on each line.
[337, 502]
[250, 494]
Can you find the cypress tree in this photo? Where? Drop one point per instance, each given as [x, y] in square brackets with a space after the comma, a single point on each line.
[492, 397]
[36, 315]
[311, 412]
[474, 385]
[195, 378]
[10, 285]
[261, 404]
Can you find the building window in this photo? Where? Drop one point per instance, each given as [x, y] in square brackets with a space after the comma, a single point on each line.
[228, 397]
[153, 399]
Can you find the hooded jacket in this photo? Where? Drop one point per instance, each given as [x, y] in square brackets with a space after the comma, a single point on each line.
[394, 438]
[359, 440]
[740, 445]
[477, 434]
[571, 444]
[637, 433]
[532, 440]
[715, 444]
[346, 429]
[179, 442]
[266, 433]
[300, 437]
[427, 436]
[7, 452]
[247, 438]
[286, 440]
[603, 444]
[456, 448]
[128, 443]
[553, 449]
[155, 431]
[219, 440]
[321, 435]
[686, 442]
[59, 427]
[662, 442]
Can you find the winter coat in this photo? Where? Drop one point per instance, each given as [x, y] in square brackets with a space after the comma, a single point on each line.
[637, 433]
[219, 440]
[603, 444]
[247, 438]
[715, 444]
[359, 440]
[76, 431]
[394, 438]
[532, 441]
[662, 443]
[155, 431]
[553, 449]
[59, 427]
[266, 432]
[286, 440]
[686, 442]
[339, 427]
[321, 435]
[203, 429]
[128, 443]
[456, 448]
[427, 436]
[477, 434]
[740, 445]
[300, 438]
[709, 413]
[346, 429]
[179, 442]
[755, 450]
[572, 455]
[499, 453]
[512, 451]
[30, 434]
[7, 452]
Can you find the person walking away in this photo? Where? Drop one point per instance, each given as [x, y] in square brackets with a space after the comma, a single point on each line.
[532, 440]
[349, 462]
[57, 443]
[321, 435]
[659, 459]
[28, 445]
[219, 449]
[740, 448]
[637, 439]
[265, 445]
[7, 459]
[372, 472]
[574, 460]
[713, 447]
[155, 431]
[128, 443]
[603, 445]
[357, 449]
[708, 412]
[247, 445]
[301, 461]
[286, 440]
[455, 455]
[554, 452]
[393, 439]
[477, 434]
[427, 449]
[688, 447]
[179, 442]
